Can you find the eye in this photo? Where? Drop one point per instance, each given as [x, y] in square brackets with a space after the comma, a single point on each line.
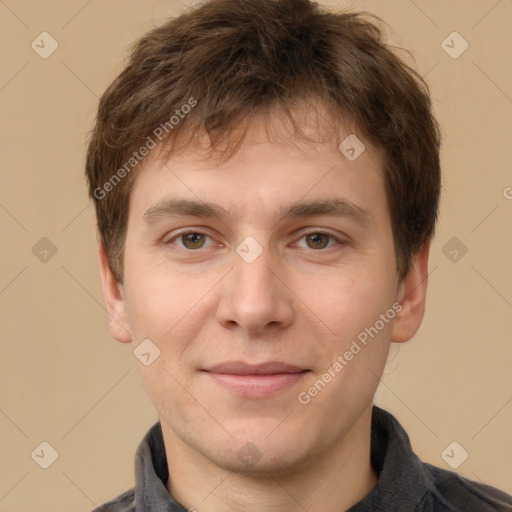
[190, 240]
[319, 240]
[193, 240]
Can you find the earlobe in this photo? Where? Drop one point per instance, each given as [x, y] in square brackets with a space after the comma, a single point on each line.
[113, 294]
[412, 297]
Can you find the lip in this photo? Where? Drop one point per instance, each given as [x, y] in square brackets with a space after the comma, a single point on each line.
[255, 380]
[242, 368]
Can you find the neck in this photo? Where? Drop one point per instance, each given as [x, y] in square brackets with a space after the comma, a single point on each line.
[334, 481]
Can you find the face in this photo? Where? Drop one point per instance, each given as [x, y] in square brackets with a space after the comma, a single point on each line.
[252, 306]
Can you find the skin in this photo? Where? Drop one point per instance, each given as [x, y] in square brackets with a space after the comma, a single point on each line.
[298, 303]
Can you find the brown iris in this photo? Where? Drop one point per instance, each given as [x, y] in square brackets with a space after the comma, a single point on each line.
[196, 240]
[315, 238]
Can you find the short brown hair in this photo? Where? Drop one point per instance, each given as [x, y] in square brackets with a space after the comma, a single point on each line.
[234, 59]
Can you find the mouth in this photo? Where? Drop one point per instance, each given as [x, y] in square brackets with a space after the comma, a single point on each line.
[256, 381]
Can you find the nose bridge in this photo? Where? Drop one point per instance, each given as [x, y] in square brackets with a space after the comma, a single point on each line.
[252, 296]
[252, 277]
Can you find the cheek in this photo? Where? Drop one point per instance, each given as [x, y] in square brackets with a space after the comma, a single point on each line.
[156, 305]
[344, 298]
[352, 309]
[355, 356]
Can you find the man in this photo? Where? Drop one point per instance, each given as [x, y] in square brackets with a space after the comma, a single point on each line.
[266, 180]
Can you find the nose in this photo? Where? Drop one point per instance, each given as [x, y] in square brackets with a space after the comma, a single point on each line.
[254, 296]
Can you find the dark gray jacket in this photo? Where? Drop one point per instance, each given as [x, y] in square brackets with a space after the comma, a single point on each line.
[405, 483]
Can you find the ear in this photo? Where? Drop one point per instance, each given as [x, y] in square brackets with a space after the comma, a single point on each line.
[412, 295]
[113, 294]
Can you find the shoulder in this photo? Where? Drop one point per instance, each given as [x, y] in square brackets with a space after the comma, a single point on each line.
[123, 503]
[452, 491]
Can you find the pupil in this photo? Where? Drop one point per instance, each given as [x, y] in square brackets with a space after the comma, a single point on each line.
[193, 238]
[316, 238]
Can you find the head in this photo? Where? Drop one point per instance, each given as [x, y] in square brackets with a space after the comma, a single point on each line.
[238, 123]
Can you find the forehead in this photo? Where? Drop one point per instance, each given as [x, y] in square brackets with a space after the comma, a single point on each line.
[270, 173]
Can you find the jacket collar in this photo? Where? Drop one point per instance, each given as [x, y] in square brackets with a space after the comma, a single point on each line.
[401, 473]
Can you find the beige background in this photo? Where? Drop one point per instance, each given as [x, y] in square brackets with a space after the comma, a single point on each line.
[66, 382]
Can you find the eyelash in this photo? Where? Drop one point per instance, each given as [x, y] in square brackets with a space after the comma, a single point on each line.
[169, 242]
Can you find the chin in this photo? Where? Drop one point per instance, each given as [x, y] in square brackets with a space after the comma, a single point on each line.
[263, 450]
[266, 463]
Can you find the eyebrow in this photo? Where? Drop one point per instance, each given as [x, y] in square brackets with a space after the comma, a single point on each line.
[339, 207]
